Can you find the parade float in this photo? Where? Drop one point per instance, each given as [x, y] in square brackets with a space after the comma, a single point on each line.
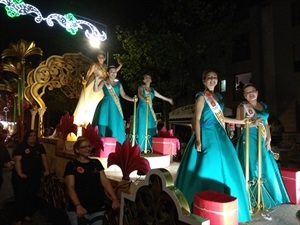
[27, 78]
[65, 73]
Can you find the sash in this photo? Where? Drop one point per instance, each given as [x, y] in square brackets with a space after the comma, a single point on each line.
[252, 113]
[114, 97]
[103, 71]
[99, 70]
[215, 108]
[150, 105]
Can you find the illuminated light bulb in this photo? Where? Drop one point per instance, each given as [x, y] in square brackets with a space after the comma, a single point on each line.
[79, 131]
[71, 137]
[95, 43]
[15, 8]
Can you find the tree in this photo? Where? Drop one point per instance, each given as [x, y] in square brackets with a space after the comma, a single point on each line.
[181, 39]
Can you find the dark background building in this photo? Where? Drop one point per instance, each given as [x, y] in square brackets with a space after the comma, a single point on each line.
[265, 49]
[267, 52]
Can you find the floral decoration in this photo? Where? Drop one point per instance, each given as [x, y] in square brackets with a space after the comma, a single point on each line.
[26, 105]
[163, 132]
[128, 158]
[66, 126]
[91, 133]
[80, 169]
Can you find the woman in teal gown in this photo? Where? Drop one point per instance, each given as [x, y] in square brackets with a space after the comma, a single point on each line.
[210, 161]
[108, 114]
[273, 189]
[146, 95]
[88, 100]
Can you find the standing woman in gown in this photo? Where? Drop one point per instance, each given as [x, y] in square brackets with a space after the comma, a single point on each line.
[273, 191]
[89, 99]
[210, 161]
[109, 115]
[146, 95]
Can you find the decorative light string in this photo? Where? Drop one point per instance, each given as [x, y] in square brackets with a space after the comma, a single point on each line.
[15, 8]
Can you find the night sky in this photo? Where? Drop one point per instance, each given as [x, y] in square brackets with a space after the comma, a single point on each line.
[56, 40]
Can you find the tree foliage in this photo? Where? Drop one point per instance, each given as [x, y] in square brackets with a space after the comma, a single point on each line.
[179, 41]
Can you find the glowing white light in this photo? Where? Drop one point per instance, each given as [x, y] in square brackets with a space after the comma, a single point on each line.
[16, 8]
[95, 43]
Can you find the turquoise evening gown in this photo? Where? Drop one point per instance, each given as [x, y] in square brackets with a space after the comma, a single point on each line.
[273, 189]
[216, 168]
[107, 116]
[141, 122]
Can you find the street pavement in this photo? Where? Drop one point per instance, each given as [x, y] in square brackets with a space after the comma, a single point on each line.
[282, 215]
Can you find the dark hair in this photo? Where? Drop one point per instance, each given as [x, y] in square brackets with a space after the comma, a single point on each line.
[248, 85]
[204, 74]
[79, 141]
[146, 74]
[26, 136]
[102, 53]
[111, 67]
